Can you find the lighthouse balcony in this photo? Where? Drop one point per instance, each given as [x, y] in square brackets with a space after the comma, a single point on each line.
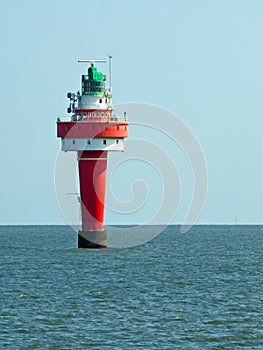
[92, 129]
[93, 117]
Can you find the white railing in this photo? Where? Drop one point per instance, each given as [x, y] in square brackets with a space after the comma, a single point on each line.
[78, 118]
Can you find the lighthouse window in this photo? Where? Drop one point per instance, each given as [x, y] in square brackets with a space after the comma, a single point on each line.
[104, 142]
[73, 142]
[85, 114]
[102, 114]
[118, 128]
[88, 142]
[100, 100]
[98, 114]
[93, 114]
[89, 114]
[117, 141]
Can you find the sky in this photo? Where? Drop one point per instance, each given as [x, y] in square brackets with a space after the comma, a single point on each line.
[201, 60]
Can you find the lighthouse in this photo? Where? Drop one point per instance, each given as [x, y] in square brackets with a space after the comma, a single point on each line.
[92, 130]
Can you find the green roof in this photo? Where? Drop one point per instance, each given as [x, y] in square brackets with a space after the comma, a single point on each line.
[93, 83]
[94, 75]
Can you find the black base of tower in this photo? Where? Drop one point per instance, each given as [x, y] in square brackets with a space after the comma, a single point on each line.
[92, 239]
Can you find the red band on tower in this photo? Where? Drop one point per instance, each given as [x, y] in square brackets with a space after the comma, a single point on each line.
[92, 179]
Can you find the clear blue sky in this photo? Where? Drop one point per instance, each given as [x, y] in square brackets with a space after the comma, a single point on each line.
[199, 59]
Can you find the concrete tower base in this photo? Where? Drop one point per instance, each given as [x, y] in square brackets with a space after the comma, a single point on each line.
[92, 239]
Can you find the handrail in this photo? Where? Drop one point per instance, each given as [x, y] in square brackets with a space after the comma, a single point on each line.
[78, 118]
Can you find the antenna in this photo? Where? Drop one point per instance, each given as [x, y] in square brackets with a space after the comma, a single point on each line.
[110, 58]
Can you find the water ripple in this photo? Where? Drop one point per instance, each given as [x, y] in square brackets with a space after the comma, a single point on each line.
[201, 290]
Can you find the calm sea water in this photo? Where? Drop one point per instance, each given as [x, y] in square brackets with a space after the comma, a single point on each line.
[199, 290]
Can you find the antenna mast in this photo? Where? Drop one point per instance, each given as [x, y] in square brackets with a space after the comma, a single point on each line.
[110, 58]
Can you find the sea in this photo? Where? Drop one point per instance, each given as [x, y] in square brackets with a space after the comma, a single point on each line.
[197, 290]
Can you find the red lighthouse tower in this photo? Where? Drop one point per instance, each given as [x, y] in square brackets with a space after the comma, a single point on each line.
[92, 130]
